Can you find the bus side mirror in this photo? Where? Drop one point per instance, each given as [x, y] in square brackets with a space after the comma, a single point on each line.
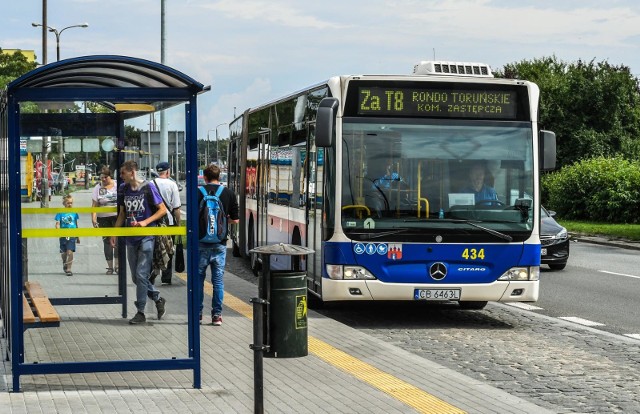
[326, 122]
[547, 148]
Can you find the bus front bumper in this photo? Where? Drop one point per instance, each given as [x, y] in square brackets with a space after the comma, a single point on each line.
[369, 290]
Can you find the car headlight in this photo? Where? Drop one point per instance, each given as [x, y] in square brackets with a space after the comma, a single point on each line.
[562, 235]
[341, 272]
[521, 273]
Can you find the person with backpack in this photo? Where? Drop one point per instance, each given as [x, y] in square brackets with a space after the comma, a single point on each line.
[218, 207]
[140, 205]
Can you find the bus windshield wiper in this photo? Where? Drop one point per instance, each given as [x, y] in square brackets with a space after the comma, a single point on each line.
[378, 235]
[476, 225]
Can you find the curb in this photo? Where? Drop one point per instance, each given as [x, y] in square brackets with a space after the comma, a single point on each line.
[622, 244]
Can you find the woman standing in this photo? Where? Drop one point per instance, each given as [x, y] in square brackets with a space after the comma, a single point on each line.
[105, 194]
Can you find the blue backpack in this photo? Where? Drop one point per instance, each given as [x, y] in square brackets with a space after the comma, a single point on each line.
[212, 218]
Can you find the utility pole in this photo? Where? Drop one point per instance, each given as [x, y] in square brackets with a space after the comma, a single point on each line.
[44, 182]
[164, 133]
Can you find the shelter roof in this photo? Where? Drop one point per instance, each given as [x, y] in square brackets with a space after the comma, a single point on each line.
[88, 76]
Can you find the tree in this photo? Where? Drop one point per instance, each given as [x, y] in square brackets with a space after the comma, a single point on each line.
[598, 189]
[12, 66]
[594, 108]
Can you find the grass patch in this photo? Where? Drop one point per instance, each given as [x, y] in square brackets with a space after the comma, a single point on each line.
[618, 231]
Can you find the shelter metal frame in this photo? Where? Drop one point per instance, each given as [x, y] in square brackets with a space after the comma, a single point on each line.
[109, 80]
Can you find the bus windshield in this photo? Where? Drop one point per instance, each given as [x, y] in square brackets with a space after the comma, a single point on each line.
[414, 179]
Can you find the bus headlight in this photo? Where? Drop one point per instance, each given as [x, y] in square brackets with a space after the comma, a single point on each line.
[521, 273]
[341, 272]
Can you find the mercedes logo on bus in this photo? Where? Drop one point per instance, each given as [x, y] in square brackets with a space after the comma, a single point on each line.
[438, 271]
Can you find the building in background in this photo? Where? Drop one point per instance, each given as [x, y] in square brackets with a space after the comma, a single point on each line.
[150, 144]
[29, 54]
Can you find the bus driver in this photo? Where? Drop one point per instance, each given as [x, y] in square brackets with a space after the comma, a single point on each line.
[477, 185]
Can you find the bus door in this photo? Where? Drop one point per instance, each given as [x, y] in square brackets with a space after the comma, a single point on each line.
[313, 186]
[264, 167]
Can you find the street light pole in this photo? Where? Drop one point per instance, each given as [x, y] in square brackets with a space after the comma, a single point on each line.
[217, 154]
[57, 33]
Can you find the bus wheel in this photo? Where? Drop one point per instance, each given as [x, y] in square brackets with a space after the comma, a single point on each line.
[314, 301]
[472, 305]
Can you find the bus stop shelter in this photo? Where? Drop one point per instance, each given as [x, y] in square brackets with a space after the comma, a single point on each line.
[126, 89]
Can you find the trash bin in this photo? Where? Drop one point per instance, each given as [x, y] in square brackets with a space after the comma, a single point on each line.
[285, 293]
[288, 315]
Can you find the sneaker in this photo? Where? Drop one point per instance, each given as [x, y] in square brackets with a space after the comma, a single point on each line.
[138, 318]
[160, 307]
[216, 320]
[69, 273]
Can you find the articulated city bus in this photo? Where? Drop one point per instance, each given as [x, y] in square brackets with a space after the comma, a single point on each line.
[407, 187]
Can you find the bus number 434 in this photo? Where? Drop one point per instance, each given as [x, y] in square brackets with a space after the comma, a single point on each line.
[473, 254]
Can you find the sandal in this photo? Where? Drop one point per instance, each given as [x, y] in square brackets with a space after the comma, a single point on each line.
[109, 271]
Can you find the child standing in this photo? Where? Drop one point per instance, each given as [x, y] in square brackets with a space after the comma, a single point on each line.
[67, 244]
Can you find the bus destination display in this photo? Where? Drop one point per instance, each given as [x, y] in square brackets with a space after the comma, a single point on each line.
[446, 103]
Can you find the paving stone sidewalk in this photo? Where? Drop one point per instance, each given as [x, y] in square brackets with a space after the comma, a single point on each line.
[311, 384]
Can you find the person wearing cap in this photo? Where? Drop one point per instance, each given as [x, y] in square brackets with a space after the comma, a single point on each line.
[169, 191]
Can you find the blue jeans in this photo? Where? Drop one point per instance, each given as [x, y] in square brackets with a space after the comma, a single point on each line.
[140, 257]
[214, 255]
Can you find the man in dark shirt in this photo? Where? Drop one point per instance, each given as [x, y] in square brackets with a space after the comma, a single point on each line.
[215, 254]
[135, 199]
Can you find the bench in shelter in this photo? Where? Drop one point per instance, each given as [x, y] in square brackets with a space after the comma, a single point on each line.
[37, 309]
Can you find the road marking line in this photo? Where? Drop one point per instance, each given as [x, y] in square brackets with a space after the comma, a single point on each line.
[634, 336]
[524, 306]
[618, 274]
[402, 391]
[580, 321]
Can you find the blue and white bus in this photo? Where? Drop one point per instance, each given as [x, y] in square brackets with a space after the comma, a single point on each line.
[407, 187]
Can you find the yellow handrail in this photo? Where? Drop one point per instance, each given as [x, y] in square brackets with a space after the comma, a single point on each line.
[420, 198]
[357, 206]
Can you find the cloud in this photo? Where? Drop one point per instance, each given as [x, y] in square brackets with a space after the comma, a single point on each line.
[253, 51]
[483, 20]
[278, 12]
[254, 94]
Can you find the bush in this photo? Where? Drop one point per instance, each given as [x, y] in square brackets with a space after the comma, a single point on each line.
[598, 189]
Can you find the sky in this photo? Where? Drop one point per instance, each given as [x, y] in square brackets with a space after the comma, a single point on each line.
[253, 51]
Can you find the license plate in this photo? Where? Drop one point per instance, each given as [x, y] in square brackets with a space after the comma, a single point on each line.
[436, 294]
[543, 252]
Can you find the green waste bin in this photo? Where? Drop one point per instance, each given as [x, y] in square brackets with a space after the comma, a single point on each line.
[284, 294]
[288, 315]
